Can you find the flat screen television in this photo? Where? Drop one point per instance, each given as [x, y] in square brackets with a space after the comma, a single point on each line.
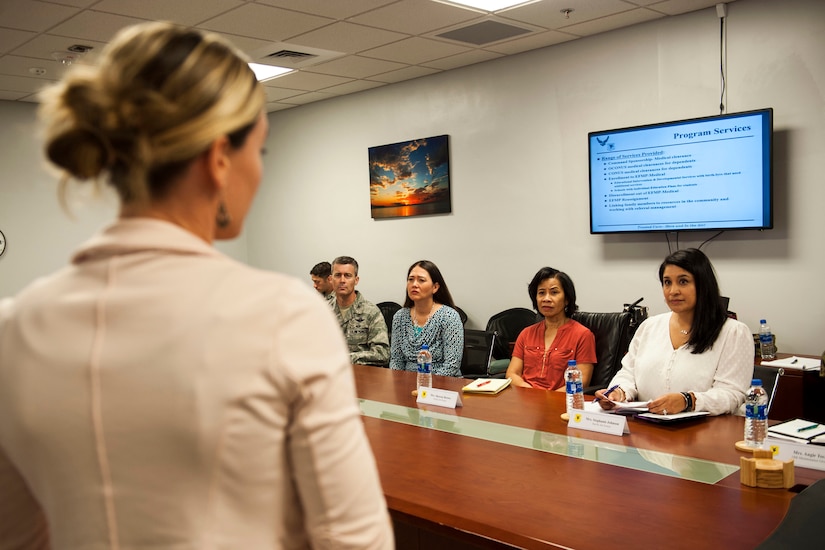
[700, 174]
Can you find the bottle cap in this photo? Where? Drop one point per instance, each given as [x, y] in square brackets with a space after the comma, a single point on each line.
[756, 382]
[762, 321]
[571, 363]
[425, 346]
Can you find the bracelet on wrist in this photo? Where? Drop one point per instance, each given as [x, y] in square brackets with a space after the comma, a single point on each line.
[688, 401]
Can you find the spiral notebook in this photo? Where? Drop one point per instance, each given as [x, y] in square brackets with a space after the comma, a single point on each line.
[799, 430]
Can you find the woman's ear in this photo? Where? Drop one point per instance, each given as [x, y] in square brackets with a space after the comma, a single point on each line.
[218, 162]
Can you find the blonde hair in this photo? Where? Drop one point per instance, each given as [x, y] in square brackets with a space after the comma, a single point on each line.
[158, 96]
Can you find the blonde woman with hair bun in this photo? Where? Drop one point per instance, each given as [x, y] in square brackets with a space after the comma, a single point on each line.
[155, 393]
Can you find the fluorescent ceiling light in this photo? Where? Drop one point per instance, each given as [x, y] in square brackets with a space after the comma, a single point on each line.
[267, 72]
[487, 5]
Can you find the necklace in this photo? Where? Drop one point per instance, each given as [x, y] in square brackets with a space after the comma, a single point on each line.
[415, 316]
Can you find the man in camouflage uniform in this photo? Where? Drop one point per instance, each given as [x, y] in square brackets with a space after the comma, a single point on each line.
[362, 322]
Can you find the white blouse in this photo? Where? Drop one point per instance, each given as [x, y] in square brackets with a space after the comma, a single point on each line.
[719, 377]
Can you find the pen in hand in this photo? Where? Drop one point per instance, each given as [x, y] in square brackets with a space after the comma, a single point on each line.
[608, 392]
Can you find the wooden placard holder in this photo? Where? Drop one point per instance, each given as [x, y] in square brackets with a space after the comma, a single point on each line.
[762, 470]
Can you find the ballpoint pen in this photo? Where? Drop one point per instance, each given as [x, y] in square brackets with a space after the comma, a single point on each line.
[608, 392]
[806, 428]
[483, 383]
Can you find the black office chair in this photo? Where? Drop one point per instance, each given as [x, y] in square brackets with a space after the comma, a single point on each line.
[507, 325]
[613, 333]
[388, 310]
[802, 525]
[770, 377]
[478, 352]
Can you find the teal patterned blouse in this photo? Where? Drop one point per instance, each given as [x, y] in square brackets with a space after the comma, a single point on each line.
[444, 334]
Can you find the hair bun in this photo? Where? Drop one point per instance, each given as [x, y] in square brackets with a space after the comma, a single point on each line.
[82, 152]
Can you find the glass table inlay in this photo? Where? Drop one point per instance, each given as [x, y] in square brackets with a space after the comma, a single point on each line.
[655, 462]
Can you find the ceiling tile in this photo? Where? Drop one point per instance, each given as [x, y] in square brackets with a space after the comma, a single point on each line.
[354, 86]
[613, 22]
[415, 16]
[94, 25]
[678, 7]
[12, 38]
[531, 42]
[462, 59]
[19, 66]
[22, 84]
[548, 13]
[10, 96]
[31, 15]
[184, 13]
[302, 80]
[355, 66]
[415, 50]
[277, 94]
[407, 73]
[44, 45]
[337, 9]
[310, 97]
[264, 22]
[347, 37]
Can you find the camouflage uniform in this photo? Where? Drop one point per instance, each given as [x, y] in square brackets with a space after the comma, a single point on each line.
[366, 332]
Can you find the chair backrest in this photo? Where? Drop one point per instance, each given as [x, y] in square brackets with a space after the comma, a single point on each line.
[507, 325]
[770, 381]
[388, 309]
[612, 333]
[478, 351]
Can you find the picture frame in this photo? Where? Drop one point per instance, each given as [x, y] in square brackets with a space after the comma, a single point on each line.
[410, 178]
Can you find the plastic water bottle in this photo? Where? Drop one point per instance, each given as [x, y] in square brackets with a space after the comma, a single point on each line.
[756, 415]
[425, 365]
[573, 386]
[766, 346]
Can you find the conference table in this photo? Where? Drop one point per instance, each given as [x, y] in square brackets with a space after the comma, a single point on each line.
[505, 471]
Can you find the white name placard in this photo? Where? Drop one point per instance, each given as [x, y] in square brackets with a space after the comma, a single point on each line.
[440, 398]
[803, 455]
[613, 424]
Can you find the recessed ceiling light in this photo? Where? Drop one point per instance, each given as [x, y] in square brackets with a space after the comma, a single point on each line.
[267, 72]
[487, 5]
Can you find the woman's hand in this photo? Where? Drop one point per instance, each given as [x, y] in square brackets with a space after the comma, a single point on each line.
[615, 395]
[669, 403]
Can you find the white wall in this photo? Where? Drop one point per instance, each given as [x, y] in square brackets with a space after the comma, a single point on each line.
[518, 139]
[40, 234]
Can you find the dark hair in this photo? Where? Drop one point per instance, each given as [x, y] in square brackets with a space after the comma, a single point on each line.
[566, 285]
[442, 295]
[322, 270]
[709, 314]
[346, 260]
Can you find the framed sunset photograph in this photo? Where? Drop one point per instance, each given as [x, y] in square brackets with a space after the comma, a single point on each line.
[410, 178]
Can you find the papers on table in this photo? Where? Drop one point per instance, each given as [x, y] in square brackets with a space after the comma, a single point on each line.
[794, 362]
[799, 430]
[629, 407]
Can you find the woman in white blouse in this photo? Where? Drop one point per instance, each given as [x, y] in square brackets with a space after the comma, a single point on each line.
[694, 358]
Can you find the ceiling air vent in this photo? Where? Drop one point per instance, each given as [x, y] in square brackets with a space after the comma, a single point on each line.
[291, 54]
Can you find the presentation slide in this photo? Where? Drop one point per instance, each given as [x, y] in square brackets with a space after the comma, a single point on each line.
[689, 175]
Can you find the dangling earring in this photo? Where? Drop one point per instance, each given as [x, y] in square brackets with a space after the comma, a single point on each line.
[223, 218]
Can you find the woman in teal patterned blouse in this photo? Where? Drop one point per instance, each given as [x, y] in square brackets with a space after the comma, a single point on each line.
[428, 317]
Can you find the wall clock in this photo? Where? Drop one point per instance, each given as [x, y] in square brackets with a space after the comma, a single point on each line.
[2, 243]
